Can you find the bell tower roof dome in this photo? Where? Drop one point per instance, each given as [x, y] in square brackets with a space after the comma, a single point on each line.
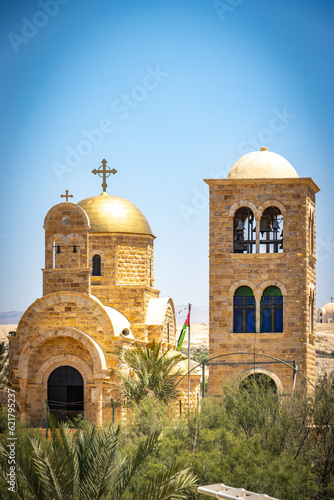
[262, 164]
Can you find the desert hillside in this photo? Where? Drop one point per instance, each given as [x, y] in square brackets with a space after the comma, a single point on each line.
[4, 330]
[200, 339]
[324, 345]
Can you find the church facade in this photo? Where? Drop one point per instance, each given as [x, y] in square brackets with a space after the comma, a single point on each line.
[326, 312]
[98, 295]
[262, 273]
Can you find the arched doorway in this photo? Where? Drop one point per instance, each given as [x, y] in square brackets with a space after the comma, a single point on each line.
[261, 380]
[65, 393]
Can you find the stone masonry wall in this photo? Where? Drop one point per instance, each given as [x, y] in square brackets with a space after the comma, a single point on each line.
[292, 271]
[311, 282]
[126, 281]
[66, 229]
[126, 259]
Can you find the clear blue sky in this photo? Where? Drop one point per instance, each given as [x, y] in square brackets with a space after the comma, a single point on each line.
[181, 89]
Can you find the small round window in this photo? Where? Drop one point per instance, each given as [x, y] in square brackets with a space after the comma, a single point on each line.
[66, 220]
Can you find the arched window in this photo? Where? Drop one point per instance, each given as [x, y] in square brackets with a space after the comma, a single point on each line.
[244, 310]
[271, 231]
[151, 270]
[244, 235]
[311, 312]
[96, 265]
[272, 310]
[58, 252]
[74, 252]
[311, 233]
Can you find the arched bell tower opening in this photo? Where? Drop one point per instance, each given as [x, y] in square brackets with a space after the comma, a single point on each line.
[66, 393]
[271, 231]
[244, 231]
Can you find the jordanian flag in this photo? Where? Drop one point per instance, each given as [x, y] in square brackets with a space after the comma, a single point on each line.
[183, 331]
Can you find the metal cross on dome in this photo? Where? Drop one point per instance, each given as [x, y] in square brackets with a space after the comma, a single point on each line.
[104, 171]
[66, 195]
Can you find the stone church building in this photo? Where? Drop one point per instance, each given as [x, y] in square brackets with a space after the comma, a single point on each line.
[262, 273]
[98, 294]
[326, 312]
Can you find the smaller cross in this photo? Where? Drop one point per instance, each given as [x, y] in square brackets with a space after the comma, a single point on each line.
[67, 196]
[332, 298]
[104, 171]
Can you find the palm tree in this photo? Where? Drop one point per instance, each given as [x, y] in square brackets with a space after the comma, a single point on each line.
[4, 384]
[147, 371]
[3, 365]
[88, 466]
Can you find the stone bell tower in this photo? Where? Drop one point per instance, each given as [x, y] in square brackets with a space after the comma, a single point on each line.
[262, 272]
[66, 249]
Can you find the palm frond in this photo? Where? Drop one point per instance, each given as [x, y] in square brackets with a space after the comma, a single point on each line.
[172, 483]
[149, 371]
[131, 465]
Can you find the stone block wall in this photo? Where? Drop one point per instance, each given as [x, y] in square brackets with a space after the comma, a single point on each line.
[74, 279]
[66, 230]
[126, 259]
[126, 281]
[132, 301]
[293, 271]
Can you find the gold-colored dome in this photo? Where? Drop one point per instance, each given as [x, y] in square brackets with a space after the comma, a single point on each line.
[111, 214]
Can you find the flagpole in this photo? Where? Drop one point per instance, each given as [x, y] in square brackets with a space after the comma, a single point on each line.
[189, 306]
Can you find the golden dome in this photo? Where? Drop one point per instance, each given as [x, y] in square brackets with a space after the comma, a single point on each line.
[262, 165]
[111, 214]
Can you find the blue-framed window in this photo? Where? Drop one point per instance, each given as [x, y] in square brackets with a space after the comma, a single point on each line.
[244, 310]
[272, 310]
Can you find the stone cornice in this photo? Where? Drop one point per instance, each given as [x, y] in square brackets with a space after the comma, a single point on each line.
[255, 182]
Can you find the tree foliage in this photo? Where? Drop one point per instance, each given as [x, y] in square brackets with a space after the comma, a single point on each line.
[147, 371]
[89, 465]
[3, 365]
[252, 437]
[4, 384]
